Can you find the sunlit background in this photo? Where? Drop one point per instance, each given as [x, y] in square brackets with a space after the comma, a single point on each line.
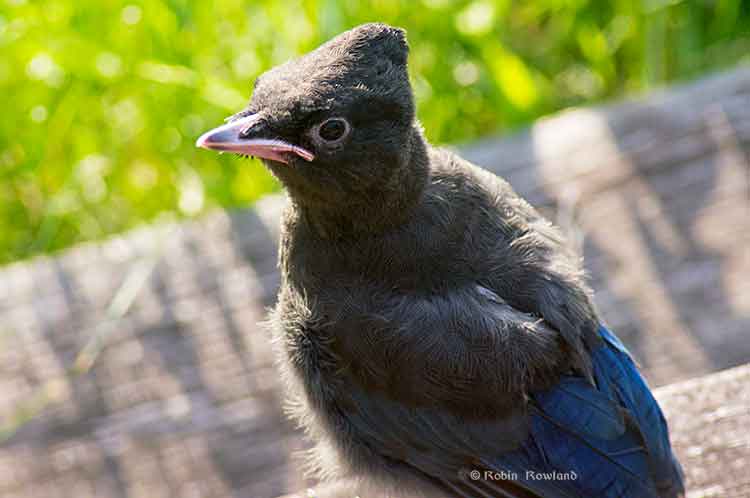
[101, 101]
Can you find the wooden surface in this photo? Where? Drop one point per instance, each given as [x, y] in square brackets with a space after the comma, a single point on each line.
[183, 398]
[709, 417]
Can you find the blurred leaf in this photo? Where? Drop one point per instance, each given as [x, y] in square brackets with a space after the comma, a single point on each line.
[512, 76]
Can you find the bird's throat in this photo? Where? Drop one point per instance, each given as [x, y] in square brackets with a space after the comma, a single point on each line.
[375, 210]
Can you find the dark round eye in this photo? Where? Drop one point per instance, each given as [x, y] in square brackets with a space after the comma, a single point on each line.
[333, 129]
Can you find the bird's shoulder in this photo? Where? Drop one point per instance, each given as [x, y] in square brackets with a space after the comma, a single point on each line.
[479, 199]
[451, 174]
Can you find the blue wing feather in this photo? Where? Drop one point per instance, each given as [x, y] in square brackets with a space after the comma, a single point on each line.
[611, 439]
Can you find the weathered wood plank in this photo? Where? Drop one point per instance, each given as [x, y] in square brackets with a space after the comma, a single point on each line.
[709, 416]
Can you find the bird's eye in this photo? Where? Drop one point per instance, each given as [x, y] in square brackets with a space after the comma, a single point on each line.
[333, 129]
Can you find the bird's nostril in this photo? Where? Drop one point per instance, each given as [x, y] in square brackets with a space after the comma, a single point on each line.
[249, 124]
[251, 129]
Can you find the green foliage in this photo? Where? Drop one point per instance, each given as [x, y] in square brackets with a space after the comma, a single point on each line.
[102, 99]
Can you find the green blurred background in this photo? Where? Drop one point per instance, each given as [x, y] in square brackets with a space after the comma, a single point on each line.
[102, 100]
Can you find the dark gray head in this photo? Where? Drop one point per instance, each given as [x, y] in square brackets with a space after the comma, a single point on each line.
[337, 125]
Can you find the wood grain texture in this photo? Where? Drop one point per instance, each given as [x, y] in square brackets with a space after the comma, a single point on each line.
[183, 398]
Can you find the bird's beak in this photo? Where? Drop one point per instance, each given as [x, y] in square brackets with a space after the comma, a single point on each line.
[231, 137]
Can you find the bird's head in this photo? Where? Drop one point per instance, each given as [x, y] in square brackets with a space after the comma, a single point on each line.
[335, 125]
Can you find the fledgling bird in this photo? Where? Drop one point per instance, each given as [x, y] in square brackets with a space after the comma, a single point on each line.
[436, 332]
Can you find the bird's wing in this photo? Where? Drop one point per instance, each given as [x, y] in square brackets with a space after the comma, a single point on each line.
[571, 440]
[611, 439]
[457, 455]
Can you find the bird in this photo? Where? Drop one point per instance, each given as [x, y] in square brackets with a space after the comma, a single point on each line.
[436, 334]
